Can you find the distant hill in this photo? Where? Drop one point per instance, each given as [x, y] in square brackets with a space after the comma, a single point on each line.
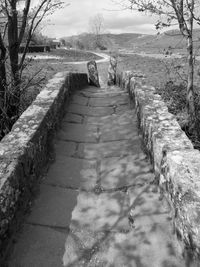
[137, 42]
[111, 41]
[126, 40]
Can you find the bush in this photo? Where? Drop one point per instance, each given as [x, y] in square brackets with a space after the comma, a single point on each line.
[102, 47]
[35, 49]
[175, 96]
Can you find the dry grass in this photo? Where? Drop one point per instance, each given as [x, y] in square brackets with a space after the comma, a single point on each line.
[158, 71]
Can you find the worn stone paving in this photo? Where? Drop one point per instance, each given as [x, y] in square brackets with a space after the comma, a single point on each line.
[98, 205]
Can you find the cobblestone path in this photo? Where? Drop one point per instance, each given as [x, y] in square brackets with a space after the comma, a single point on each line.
[97, 205]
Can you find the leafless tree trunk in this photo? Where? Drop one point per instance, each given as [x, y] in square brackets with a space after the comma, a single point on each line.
[13, 48]
[184, 13]
[190, 87]
[2, 70]
[16, 14]
[96, 28]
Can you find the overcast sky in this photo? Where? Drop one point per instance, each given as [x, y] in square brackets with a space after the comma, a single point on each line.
[74, 19]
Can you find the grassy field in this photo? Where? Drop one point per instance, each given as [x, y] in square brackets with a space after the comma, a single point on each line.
[67, 55]
[158, 71]
[75, 55]
[157, 43]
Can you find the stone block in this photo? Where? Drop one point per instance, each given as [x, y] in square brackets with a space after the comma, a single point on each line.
[108, 149]
[65, 149]
[93, 73]
[38, 246]
[74, 118]
[126, 77]
[180, 173]
[119, 131]
[101, 212]
[53, 207]
[109, 101]
[127, 171]
[112, 71]
[78, 132]
[72, 173]
[90, 111]
[81, 100]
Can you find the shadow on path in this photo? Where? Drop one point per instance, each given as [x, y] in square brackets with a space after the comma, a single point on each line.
[98, 205]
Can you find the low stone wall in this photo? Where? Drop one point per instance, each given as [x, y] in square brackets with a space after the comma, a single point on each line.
[176, 163]
[26, 149]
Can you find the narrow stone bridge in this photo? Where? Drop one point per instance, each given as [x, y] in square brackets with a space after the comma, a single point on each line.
[98, 205]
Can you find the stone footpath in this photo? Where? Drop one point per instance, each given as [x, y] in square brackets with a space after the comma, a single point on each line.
[97, 205]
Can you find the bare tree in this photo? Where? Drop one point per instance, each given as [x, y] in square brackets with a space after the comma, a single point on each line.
[96, 25]
[184, 13]
[17, 17]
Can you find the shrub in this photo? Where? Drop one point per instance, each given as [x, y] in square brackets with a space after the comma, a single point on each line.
[35, 49]
[175, 96]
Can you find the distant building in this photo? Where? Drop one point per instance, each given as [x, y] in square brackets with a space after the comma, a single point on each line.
[55, 43]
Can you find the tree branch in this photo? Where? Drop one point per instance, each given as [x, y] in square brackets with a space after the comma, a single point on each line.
[45, 5]
[24, 21]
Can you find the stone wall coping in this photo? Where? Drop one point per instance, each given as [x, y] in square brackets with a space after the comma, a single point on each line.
[23, 130]
[176, 163]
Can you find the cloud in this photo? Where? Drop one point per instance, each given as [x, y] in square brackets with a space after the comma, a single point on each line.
[130, 21]
[74, 19]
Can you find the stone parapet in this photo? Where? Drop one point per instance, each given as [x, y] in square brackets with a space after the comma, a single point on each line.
[176, 163]
[26, 150]
[180, 178]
